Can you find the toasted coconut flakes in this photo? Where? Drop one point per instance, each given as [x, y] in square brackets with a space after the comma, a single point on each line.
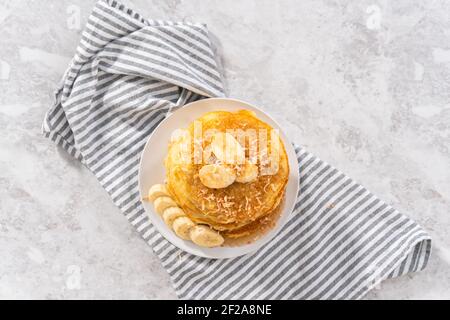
[236, 167]
[266, 185]
[228, 204]
[215, 211]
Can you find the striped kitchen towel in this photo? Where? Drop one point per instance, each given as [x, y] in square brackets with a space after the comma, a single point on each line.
[127, 74]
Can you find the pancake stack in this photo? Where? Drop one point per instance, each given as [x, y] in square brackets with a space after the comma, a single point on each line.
[247, 203]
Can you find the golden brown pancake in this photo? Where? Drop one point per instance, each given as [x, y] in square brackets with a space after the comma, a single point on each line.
[239, 209]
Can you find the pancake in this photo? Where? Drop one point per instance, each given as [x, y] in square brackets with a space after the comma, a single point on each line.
[239, 209]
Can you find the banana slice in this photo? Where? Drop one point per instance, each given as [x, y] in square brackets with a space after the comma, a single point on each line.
[172, 213]
[162, 203]
[227, 149]
[248, 173]
[175, 217]
[204, 236]
[270, 157]
[182, 227]
[216, 176]
[156, 191]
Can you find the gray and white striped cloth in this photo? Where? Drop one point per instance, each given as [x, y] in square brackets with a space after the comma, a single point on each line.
[127, 74]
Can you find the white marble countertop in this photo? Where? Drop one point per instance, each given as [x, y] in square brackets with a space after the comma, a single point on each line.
[365, 85]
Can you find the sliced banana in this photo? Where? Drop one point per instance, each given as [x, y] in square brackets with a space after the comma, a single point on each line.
[206, 237]
[162, 203]
[172, 213]
[227, 149]
[182, 227]
[175, 217]
[156, 191]
[248, 173]
[216, 176]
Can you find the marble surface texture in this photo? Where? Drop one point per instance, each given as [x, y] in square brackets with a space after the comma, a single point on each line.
[365, 85]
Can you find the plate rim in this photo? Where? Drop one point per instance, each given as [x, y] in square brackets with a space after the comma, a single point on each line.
[239, 250]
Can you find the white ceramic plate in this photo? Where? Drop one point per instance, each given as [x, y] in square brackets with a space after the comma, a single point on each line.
[152, 171]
